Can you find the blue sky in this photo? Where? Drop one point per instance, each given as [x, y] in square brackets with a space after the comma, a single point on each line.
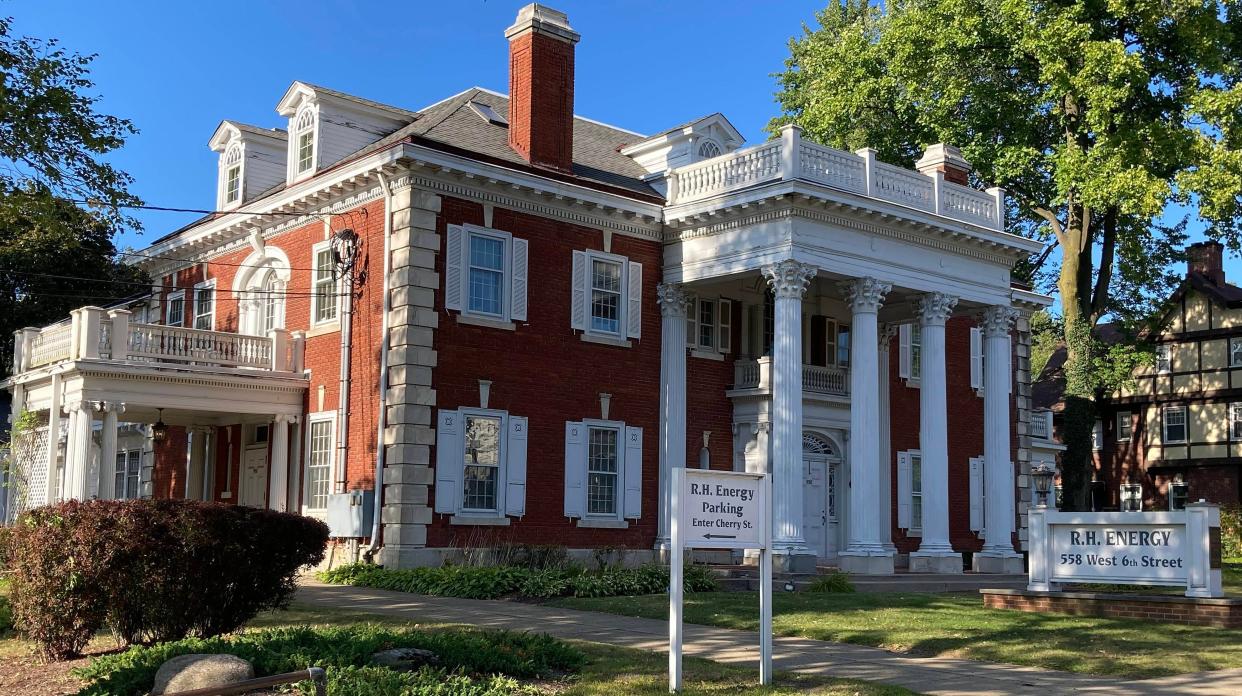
[177, 69]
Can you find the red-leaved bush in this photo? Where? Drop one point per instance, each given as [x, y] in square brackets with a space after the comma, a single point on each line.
[151, 570]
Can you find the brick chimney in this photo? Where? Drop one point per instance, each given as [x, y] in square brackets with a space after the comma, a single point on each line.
[541, 87]
[1204, 259]
[945, 158]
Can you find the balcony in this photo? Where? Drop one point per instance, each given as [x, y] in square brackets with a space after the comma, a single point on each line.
[790, 157]
[90, 334]
[1041, 425]
[756, 376]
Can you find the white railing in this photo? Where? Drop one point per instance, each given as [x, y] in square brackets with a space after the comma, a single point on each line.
[1041, 425]
[53, 344]
[195, 345]
[790, 157]
[757, 374]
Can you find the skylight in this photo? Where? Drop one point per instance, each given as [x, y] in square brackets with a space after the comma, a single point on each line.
[488, 114]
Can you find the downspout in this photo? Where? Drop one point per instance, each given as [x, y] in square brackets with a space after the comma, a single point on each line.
[342, 412]
[381, 421]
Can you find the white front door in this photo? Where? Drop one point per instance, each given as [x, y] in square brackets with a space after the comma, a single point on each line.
[254, 478]
[819, 505]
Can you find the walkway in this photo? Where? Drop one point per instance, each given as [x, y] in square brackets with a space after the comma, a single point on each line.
[927, 675]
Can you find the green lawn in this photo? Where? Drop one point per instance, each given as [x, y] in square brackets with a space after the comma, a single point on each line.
[958, 625]
[612, 670]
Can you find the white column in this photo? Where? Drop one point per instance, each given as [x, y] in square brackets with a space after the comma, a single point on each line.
[788, 280]
[935, 553]
[673, 300]
[78, 451]
[865, 551]
[998, 554]
[884, 505]
[278, 488]
[107, 450]
[50, 493]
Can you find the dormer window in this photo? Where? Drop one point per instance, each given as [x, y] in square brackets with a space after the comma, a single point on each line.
[708, 149]
[232, 184]
[304, 132]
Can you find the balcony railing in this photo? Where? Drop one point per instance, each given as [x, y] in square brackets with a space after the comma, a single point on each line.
[92, 334]
[1041, 425]
[791, 157]
[757, 374]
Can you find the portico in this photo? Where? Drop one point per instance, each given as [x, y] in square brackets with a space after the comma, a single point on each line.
[872, 247]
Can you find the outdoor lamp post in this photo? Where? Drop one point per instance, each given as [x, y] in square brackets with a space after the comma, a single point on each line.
[1042, 476]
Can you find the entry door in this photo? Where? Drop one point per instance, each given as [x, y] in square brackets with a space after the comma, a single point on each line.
[254, 478]
[815, 504]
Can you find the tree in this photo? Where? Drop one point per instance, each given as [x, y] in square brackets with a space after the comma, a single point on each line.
[1098, 116]
[60, 202]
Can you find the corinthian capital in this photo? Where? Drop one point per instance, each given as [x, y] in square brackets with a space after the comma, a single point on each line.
[997, 320]
[935, 307]
[673, 299]
[865, 294]
[789, 278]
[885, 334]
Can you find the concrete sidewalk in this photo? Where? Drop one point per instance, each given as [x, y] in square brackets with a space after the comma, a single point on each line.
[927, 675]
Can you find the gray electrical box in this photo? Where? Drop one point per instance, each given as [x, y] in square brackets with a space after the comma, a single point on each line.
[350, 515]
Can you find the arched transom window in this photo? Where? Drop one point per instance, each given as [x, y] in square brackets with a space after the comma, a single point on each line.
[708, 149]
[232, 174]
[260, 288]
[815, 444]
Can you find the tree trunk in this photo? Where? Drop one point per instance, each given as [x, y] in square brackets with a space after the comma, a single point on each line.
[1078, 419]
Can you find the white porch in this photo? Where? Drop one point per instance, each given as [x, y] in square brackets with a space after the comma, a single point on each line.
[99, 384]
[871, 247]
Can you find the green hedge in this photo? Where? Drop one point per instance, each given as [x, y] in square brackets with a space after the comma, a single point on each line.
[476, 663]
[491, 582]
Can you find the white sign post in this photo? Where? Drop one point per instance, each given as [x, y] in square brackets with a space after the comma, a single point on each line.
[1135, 548]
[719, 510]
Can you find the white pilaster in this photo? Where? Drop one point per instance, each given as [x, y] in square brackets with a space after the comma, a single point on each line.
[788, 280]
[78, 451]
[865, 551]
[673, 300]
[278, 488]
[107, 449]
[884, 505]
[998, 554]
[935, 553]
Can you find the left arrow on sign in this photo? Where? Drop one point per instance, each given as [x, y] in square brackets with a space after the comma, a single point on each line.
[719, 536]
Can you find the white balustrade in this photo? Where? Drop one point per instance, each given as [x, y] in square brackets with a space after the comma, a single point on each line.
[1041, 425]
[175, 343]
[53, 344]
[791, 157]
[105, 338]
[756, 374]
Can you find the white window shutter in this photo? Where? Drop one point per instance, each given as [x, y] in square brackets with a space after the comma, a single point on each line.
[976, 358]
[903, 351]
[515, 467]
[517, 291]
[454, 267]
[449, 463]
[976, 494]
[575, 469]
[692, 322]
[578, 304]
[905, 487]
[634, 304]
[633, 507]
[725, 322]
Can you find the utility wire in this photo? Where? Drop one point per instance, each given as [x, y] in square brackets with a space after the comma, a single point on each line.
[135, 283]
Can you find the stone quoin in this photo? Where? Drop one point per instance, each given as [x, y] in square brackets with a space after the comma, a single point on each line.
[496, 321]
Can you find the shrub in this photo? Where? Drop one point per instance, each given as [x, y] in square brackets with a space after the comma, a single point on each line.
[836, 581]
[346, 653]
[151, 570]
[1231, 531]
[476, 582]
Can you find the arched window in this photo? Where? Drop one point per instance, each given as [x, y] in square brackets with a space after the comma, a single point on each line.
[232, 174]
[304, 137]
[708, 149]
[260, 287]
[815, 444]
[273, 315]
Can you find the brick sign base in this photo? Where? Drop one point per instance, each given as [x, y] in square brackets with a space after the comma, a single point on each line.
[1220, 613]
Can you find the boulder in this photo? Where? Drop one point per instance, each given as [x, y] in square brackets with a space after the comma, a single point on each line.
[404, 659]
[189, 672]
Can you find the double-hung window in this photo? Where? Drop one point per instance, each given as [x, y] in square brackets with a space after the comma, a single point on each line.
[205, 305]
[1235, 351]
[304, 138]
[323, 284]
[485, 274]
[232, 184]
[1174, 425]
[606, 300]
[480, 464]
[1131, 497]
[127, 474]
[1125, 426]
[1235, 421]
[320, 445]
[709, 326]
[1164, 358]
[1179, 494]
[603, 472]
[174, 309]
[910, 491]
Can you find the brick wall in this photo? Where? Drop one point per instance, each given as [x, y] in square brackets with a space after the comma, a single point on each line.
[541, 89]
[1220, 613]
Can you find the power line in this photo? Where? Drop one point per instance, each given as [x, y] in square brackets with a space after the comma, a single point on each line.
[257, 291]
